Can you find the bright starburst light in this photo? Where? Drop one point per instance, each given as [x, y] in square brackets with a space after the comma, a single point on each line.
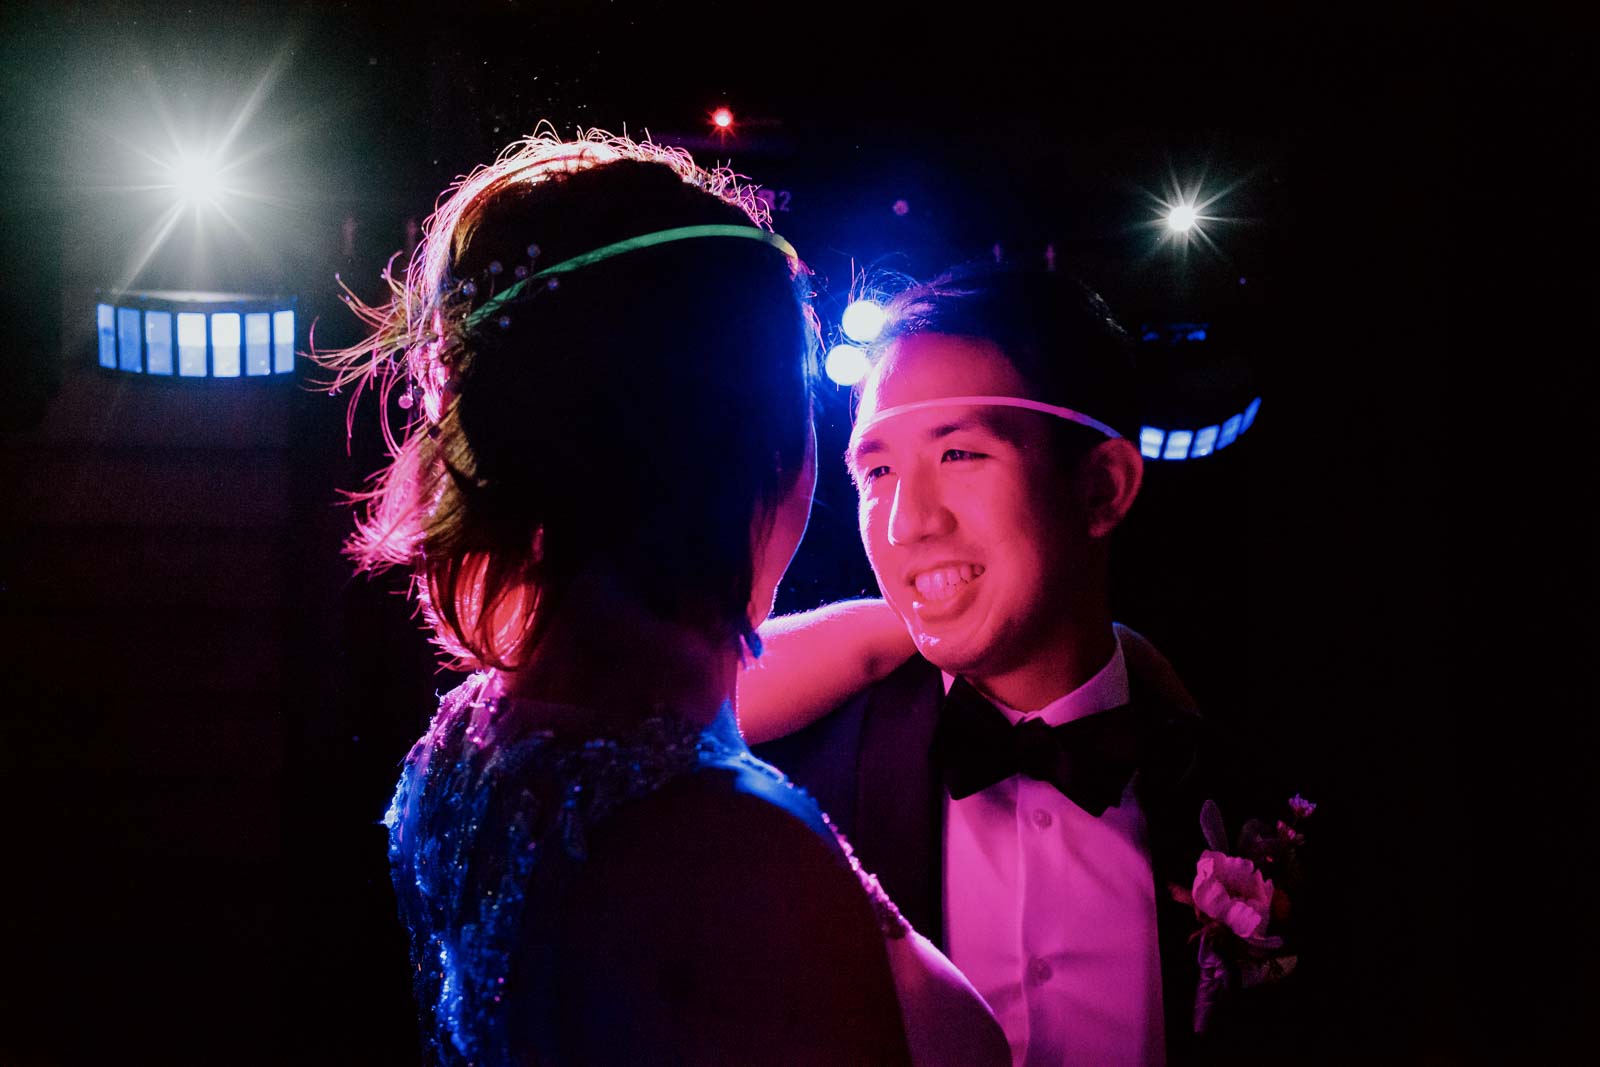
[1182, 218]
[1184, 215]
[197, 179]
[189, 163]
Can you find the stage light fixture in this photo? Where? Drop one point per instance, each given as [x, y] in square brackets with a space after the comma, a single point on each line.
[862, 321]
[1156, 443]
[170, 334]
[846, 364]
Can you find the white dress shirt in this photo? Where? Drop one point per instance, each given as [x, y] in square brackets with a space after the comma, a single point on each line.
[1051, 912]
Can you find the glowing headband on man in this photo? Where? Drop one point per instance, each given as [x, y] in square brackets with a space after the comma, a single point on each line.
[993, 401]
[493, 305]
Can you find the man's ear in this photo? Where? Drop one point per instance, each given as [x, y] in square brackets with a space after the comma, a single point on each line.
[1109, 478]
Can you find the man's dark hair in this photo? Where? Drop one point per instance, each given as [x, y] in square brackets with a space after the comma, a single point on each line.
[1055, 330]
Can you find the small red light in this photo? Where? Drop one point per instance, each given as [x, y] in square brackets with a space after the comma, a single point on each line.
[722, 118]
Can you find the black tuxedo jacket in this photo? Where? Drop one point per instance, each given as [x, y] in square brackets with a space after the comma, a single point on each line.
[868, 765]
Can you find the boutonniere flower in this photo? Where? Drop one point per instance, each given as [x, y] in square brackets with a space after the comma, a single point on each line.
[1242, 897]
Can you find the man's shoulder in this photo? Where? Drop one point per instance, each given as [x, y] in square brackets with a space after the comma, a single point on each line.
[826, 757]
[1151, 676]
[916, 681]
[912, 688]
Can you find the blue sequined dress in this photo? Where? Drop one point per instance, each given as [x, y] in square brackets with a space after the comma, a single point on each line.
[489, 823]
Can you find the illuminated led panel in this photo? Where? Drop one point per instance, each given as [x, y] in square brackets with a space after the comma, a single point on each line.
[282, 342]
[1178, 444]
[158, 341]
[192, 345]
[195, 334]
[106, 326]
[225, 344]
[1230, 431]
[129, 354]
[1193, 444]
[1150, 440]
[258, 343]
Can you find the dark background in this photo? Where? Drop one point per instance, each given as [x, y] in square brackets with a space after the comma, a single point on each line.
[207, 712]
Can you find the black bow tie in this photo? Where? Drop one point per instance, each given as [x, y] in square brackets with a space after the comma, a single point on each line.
[1091, 760]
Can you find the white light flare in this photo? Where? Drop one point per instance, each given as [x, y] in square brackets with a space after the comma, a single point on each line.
[846, 364]
[862, 321]
[214, 168]
[1181, 218]
[197, 178]
[1186, 215]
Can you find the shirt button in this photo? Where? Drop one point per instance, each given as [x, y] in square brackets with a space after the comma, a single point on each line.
[1042, 819]
[1038, 971]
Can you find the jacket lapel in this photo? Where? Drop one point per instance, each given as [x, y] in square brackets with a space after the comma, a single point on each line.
[1174, 923]
[899, 826]
[1167, 785]
[1200, 763]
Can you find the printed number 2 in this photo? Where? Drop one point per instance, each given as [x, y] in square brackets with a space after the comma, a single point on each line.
[775, 201]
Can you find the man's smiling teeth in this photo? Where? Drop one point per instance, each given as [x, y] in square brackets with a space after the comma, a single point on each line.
[945, 582]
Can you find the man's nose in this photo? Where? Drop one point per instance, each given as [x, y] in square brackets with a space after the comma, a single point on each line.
[918, 511]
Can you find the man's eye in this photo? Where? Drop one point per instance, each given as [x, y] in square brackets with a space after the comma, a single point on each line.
[956, 454]
[872, 474]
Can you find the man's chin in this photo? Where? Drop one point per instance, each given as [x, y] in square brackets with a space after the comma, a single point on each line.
[947, 652]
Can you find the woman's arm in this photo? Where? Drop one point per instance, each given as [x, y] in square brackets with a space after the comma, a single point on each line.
[814, 661]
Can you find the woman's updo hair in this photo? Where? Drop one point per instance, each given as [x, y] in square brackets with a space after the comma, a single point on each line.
[640, 414]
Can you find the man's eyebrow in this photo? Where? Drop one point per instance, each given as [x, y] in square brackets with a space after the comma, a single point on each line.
[870, 446]
[965, 422]
[992, 421]
[861, 449]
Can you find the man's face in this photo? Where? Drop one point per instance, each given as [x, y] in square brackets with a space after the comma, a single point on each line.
[964, 514]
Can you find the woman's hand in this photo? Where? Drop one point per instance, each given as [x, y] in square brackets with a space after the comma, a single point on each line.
[814, 661]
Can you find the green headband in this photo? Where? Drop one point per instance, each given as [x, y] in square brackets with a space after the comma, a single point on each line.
[633, 244]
